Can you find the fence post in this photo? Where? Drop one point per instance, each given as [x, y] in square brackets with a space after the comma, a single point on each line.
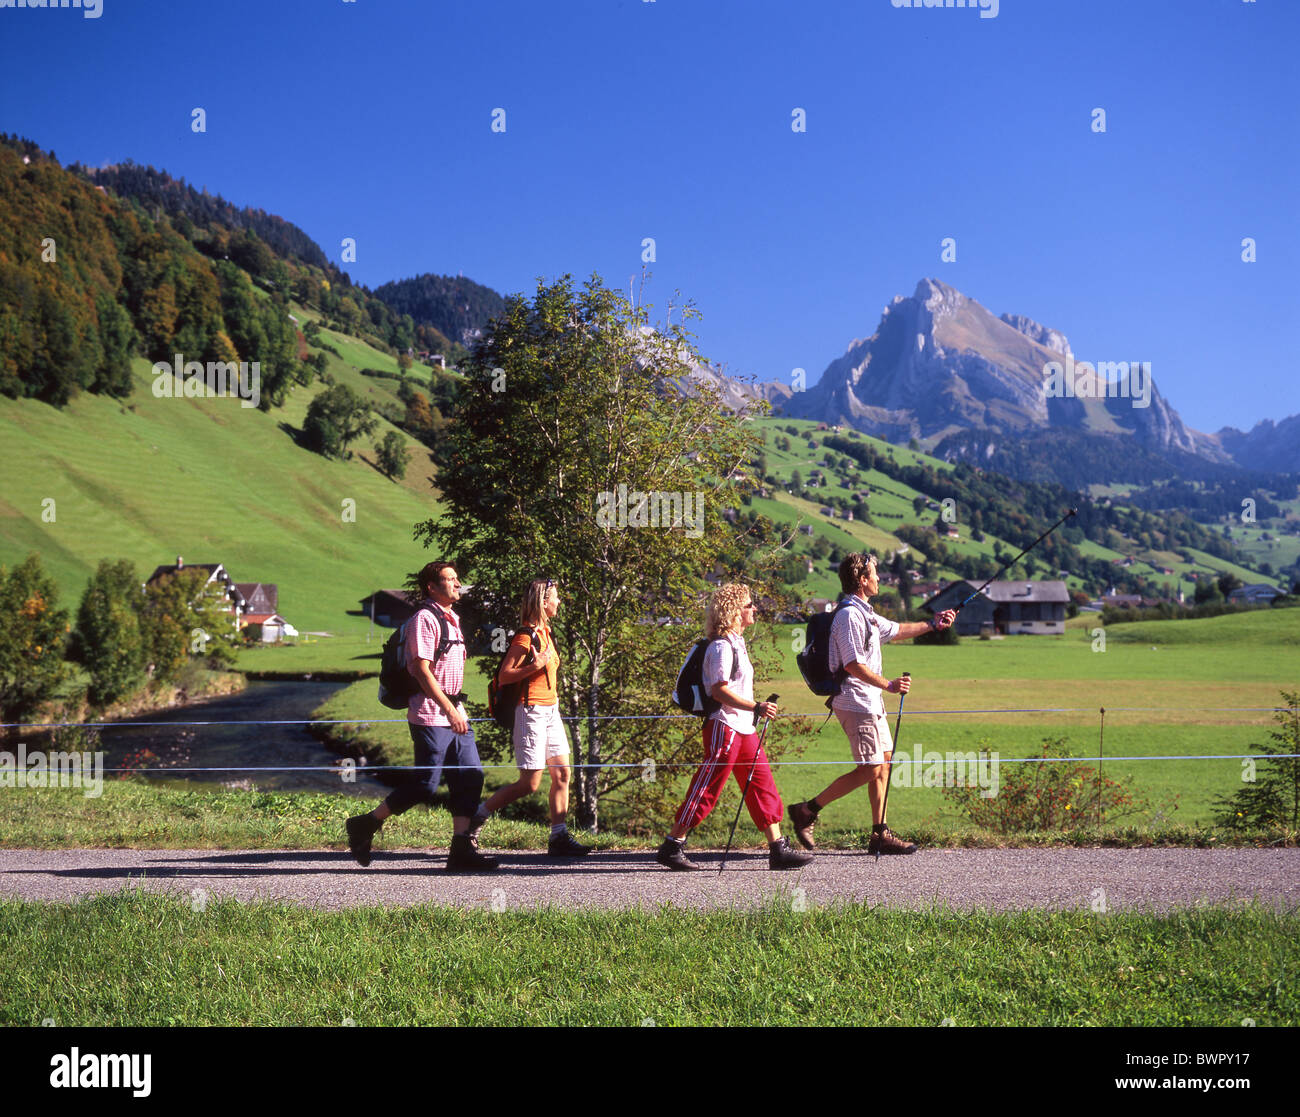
[1101, 759]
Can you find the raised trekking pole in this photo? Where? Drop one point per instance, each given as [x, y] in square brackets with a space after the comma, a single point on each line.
[1007, 566]
[884, 808]
[762, 734]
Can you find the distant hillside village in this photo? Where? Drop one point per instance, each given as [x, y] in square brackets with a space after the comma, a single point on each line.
[253, 605]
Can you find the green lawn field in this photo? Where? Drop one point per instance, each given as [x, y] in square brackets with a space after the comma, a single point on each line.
[154, 961]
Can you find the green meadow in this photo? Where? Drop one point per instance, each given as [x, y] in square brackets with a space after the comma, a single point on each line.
[148, 479]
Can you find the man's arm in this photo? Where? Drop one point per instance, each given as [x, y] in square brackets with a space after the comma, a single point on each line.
[863, 672]
[909, 629]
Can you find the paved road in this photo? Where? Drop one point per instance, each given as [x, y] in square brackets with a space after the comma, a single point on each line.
[1004, 879]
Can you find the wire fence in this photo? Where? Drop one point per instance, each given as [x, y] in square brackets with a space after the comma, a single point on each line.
[361, 765]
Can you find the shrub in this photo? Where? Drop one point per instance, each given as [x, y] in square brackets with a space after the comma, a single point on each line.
[1052, 794]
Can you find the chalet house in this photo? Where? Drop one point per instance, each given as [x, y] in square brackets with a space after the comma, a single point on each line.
[1008, 608]
[249, 603]
[1256, 594]
[217, 577]
[259, 616]
[387, 608]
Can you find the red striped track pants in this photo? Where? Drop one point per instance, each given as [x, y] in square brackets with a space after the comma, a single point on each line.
[726, 750]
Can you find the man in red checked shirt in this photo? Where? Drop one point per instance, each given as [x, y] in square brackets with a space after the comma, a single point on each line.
[440, 731]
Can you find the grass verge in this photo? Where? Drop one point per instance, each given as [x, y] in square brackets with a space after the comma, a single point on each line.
[133, 814]
[140, 959]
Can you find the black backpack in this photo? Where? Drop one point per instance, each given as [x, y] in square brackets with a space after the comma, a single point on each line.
[815, 659]
[689, 693]
[503, 698]
[396, 683]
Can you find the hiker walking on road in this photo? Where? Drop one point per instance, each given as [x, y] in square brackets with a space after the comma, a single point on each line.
[857, 634]
[539, 738]
[440, 729]
[730, 742]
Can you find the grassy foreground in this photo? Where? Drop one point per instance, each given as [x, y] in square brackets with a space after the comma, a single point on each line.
[142, 959]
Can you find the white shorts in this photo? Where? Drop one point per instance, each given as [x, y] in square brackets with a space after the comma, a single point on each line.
[539, 737]
[868, 734]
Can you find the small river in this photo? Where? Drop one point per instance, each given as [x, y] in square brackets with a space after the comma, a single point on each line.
[237, 742]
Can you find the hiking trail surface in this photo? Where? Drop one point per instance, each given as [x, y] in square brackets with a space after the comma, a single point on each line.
[1100, 880]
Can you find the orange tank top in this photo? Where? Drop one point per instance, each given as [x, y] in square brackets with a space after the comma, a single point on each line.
[540, 690]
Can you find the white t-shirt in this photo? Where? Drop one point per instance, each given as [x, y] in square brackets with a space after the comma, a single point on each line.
[727, 661]
[857, 635]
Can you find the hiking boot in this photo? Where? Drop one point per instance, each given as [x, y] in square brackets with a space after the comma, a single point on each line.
[361, 831]
[672, 855]
[563, 845]
[476, 825]
[781, 856]
[464, 857]
[803, 820]
[883, 841]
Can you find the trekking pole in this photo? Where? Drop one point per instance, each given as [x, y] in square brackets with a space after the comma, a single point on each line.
[884, 809]
[1009, 565]
[762, 734]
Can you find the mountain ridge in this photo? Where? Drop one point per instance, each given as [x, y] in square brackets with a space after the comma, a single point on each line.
[942, 369]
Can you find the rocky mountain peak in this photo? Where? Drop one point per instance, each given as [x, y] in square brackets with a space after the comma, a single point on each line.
[940, 364]
[1047, 337]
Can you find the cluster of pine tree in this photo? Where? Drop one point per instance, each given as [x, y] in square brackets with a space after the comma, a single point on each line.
[458, 306]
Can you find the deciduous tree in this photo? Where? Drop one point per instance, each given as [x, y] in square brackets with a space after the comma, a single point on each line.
[571, 451]
[32, 639]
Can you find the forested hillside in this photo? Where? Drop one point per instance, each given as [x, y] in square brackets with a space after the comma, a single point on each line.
[455, 305]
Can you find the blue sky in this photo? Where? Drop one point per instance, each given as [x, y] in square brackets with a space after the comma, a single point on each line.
[672, 120]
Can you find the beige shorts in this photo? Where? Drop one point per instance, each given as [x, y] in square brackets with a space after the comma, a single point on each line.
[868, 734]
[539, 737]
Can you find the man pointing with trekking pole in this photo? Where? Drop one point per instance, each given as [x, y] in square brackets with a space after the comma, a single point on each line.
[857, 635]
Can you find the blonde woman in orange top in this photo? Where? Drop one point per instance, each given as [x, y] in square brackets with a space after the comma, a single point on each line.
[539, 738]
